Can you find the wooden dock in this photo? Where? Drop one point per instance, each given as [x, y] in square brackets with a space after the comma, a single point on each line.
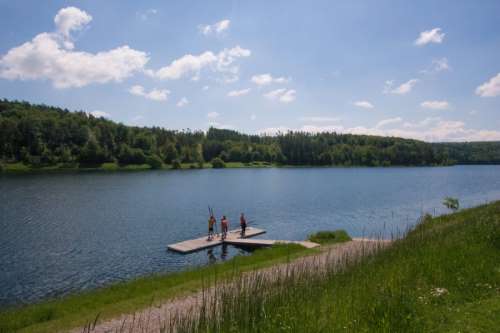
[268, 242]
[202, 242]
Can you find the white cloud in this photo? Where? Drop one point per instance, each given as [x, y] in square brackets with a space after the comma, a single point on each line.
[319, 119]
[182, 102]
[430, 36]
[282, 95]
[186, 64]
[237, 93]
[216, 28]
[205, 88]
[253, 116]
[213, 115]
[155, 94]
[423, 123]
[438, 65]
[430, 129]
[100, 114]
[70, 19]
[364, 104]
[49, 56]
[222, 62]
[265, 79]
[389, 121]
[402, 89]
[490, 88]
[221, 126]
[435, 105]
[472, 112]
[273, 130]
[147, 14]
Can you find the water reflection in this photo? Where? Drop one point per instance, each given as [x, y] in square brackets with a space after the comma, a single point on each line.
[223, 255]
[212, 259]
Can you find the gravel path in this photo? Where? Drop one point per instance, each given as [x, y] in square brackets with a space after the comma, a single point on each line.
[152, 319]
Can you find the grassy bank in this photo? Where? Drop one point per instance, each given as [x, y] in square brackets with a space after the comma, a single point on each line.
[130, 296]
[26, 168]
[444, 276]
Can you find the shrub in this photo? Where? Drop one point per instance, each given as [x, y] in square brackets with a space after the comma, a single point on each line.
[451, 203]
[154, 161]
[92, 154]
[330, 237]
[218, 163]
[176, 164]
[129, 155]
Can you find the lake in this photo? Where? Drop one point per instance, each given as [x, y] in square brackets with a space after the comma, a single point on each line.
[69, 232]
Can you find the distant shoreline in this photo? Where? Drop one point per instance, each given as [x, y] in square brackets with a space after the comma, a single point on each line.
[21, 168]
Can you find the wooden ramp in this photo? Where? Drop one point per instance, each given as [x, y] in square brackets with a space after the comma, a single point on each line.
[268, 242]
[202, 242]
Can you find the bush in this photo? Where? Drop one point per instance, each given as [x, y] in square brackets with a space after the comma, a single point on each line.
[35, 161]
[129, 155]
[451, 203]
[176, 164]
[154, 161]
[92, 154]
[330, 237]
[224, 156]
[218, 163]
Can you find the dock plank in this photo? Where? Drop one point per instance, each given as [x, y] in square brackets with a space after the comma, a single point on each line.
[201, 243]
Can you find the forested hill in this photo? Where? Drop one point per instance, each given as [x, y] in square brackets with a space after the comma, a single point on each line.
[39, 135]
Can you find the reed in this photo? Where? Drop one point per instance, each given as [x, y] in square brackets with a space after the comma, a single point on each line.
[442, 275]
[133, 296]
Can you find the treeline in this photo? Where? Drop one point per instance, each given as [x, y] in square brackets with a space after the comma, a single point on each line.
[40, 135]
[471, 152]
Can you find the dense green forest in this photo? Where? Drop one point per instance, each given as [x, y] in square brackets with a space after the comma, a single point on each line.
[40, 135]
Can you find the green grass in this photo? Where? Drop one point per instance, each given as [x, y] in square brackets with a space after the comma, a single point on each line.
[15, 167]
[444, 276]
[127, 297]
[329, 237]
[25, 168]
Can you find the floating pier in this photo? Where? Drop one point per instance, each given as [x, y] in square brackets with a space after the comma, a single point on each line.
[201, 243]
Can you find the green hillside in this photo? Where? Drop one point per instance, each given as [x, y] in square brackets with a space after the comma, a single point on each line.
[44, 137]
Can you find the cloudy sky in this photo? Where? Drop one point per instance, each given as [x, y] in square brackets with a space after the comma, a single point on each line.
[428, 70]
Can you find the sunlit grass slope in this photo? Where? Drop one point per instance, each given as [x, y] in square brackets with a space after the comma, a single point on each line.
[444, 276]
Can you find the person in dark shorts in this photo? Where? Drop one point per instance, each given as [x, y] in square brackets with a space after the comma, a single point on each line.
[211, 225]
[224, 224]
[243, 225]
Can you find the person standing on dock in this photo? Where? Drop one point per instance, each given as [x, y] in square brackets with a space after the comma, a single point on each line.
[243, 224]
[211, 225]
[224, 225]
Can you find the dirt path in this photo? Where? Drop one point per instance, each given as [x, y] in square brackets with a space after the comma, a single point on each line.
[152, 319]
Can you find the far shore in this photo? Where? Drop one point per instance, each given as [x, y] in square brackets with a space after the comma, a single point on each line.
[21, 168]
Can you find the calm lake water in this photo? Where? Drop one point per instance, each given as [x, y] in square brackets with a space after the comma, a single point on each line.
[63, 233]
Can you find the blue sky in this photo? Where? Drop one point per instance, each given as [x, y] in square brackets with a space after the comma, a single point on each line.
[428, 70]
